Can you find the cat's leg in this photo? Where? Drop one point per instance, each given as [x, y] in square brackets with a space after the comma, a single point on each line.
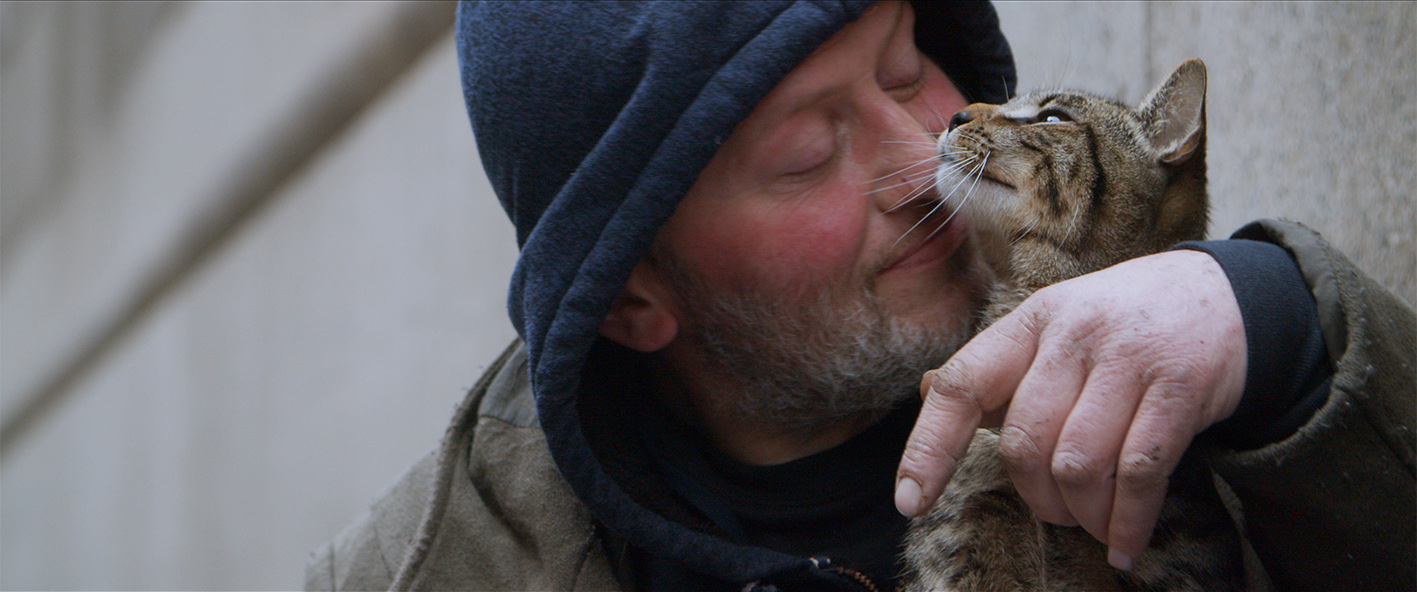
[979, 536]
[1196, 545]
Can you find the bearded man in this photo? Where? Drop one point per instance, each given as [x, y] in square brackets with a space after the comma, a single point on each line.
[725, 319]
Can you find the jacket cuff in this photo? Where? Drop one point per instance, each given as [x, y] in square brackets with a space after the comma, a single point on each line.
[1288, 370]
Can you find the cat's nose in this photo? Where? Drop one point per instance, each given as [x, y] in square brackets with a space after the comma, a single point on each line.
[960, 118]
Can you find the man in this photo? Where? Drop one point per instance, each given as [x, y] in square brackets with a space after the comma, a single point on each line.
[725, 331]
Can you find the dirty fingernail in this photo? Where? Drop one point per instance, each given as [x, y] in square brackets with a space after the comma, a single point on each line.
[907, 497]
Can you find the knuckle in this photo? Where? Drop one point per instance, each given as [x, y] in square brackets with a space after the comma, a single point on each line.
[1045, 299]
[1038, 310]
[1076, 468]
[1141, 471]
[926, 452]
[1019, 449]
[950, 381]
[922, 457]
[1178, 370]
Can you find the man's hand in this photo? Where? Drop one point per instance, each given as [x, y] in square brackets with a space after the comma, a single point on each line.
[1101, 383]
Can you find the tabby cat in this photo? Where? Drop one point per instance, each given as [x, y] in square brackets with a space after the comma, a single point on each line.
[1059, 184]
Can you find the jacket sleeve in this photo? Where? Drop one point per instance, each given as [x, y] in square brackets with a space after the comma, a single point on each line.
[1332, 506]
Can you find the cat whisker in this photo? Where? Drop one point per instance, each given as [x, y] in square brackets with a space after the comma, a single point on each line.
[910, 142]
[976, 168]
[938, 204]
[913, 227]
[958, 165]
[958, 171]
[930, 160]
[964, 156]
[972, 172]
[913, 195]
[927, 160]
[1072, 224]
[907, 181]
[1024, 232]
[977, 177]
[953, 168]
[967, 195]
[942, 120]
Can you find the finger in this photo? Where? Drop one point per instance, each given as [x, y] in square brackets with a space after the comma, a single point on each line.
[1159, 435]
[1037, 415]
[1084, 464]
[979, 379]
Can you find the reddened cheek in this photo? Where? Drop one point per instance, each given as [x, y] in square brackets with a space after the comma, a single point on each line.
[820, 234]
[773, 254]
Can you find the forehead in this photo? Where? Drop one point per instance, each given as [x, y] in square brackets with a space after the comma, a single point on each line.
[866, 47]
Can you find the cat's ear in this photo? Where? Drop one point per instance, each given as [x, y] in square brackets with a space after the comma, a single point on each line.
[1174, 113]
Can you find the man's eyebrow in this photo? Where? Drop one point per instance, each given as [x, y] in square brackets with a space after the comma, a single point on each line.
[788, 106]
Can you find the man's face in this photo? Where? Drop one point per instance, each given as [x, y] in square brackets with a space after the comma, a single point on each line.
[795, 255]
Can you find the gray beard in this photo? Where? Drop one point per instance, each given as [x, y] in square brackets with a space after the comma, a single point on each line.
[806, 365]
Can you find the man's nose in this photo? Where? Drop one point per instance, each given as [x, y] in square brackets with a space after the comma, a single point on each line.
[906, 159]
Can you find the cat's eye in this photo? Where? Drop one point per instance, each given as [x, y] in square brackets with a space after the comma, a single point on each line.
[1053, 116]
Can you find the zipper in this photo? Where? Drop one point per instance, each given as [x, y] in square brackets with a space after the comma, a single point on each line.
[825, 564]
[859, 578]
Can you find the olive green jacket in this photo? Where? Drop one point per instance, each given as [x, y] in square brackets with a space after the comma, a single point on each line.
[1331, 507]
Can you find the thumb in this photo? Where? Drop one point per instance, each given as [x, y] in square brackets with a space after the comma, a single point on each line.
[977, 383]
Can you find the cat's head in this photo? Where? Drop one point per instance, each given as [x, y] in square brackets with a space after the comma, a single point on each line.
[1089, 176]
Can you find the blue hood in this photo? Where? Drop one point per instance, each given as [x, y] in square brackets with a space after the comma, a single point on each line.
[592, 120]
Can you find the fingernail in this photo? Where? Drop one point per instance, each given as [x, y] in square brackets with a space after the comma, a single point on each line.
[1119, 560]
[907, 497]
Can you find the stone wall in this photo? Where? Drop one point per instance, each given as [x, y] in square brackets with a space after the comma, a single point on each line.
[249, 262]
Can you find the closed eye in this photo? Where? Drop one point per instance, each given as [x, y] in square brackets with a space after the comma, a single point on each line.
[906, 92]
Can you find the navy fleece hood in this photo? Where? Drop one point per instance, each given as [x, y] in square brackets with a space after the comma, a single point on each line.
[592, 120]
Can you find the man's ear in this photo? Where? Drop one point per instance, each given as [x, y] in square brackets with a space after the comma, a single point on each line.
[642, 317]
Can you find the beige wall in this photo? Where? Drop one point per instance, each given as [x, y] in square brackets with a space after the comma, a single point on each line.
[248, 260]
[263, 282]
